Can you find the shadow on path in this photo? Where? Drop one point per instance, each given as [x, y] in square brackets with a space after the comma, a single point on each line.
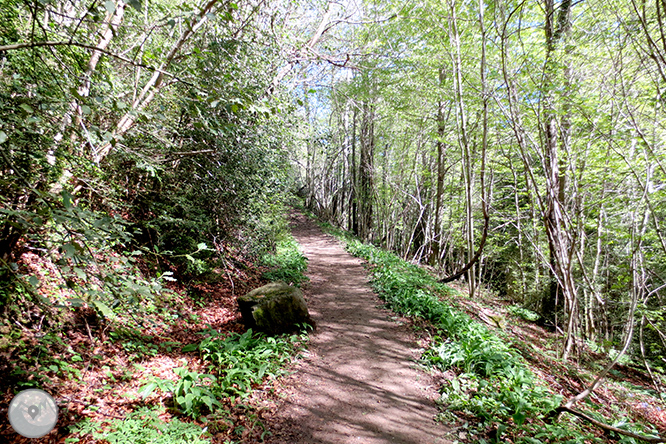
[359, 383]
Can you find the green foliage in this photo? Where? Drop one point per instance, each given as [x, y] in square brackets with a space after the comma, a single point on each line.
[236, 362]
[202, 164]
[523, 313]
[143, 427]
[193, 392]
[287, 264]
[51, 357]
[242, 360]
[493, 383]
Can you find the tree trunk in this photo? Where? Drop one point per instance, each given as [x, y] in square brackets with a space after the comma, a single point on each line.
[558, 229]
[353, 195]
[366, 171]
[441, 129]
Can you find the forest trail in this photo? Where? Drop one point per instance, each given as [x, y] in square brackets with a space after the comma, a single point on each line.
[359, 382]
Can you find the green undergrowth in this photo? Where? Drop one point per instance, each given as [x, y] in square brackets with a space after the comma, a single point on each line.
[287, 263]
[236, 364]
[492, 382]
[142, 426]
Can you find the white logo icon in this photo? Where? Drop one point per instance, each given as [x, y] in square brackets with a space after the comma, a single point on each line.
[33, 413]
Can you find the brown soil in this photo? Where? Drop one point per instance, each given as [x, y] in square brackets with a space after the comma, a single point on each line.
[359, 382]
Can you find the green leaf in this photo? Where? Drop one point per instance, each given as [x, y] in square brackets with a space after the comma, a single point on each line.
[75, 302]
[519, 418]
[190, 347]
[34, 281]
[80, 273]
[104, 309]
[136, 4]
[110, 6]
[3, 137]
[190, 258]
[202, 246]
[66, 199]
[147, 389]
[69, 250]
[27, 108]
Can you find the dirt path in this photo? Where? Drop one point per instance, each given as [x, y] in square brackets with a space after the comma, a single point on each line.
[358, 383]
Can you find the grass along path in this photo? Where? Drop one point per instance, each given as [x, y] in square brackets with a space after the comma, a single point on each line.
[503, 380]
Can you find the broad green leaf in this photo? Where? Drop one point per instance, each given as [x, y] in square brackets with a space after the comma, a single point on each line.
[104, 309]
[66, 199]
[110, 6]
[3, 136]
[69, 250]
[519, 418]
[190, 347]
[27, 108]
[147, 389]
[80, 273]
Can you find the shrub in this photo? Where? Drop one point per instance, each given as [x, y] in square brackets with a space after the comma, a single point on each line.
[143, 427]
[287, 264]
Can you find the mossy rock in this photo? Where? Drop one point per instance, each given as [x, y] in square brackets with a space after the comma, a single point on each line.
[274, 308]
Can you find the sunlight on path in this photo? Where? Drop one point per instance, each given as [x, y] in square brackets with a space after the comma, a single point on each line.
[359, 383]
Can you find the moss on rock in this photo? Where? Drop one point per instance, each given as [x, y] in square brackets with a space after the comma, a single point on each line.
[274, 308]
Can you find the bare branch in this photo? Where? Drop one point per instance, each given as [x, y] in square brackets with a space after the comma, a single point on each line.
[17, 46]
[610, 428]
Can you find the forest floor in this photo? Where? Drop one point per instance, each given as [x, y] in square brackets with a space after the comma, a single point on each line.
[95, 368]
[360, 381]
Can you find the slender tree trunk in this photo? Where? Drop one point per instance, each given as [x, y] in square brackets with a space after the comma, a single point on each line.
[464, 143]
[558, 227]
[353, 196]
[366, 171]
[111, 23]
[441, 131]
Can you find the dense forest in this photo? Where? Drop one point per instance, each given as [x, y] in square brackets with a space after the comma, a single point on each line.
[149, 151]
[524, 140]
